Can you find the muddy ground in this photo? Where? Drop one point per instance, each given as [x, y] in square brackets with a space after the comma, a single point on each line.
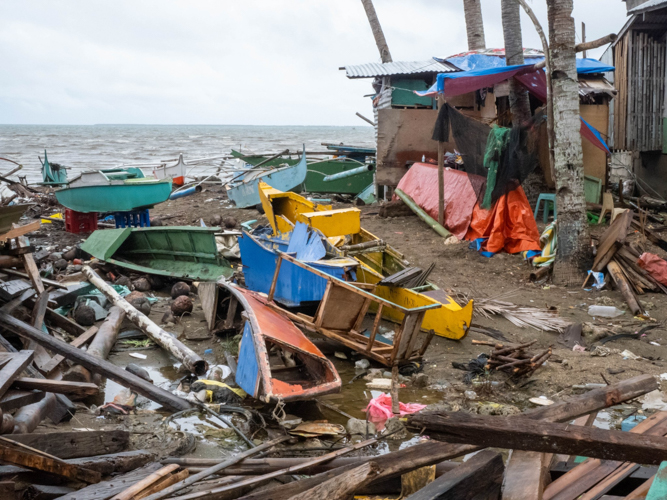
[459, 270]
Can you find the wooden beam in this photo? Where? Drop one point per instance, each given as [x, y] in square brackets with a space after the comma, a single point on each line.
[520, 433]
[76, 444]
[101, 366]
[480, 477]
[11, 370]
[113, 486]
[18, 399]
[17, 231]
[79, 389]
[343, 486]
[526, 475]
[42, 463]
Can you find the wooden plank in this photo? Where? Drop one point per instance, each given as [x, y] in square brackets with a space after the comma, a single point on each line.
[31, 268]
[17, 456]
[95, 365]
[12, 370]
[76, 444]
[17, 399]
[480, 477]
[526, 475]
[208, 296]
[40, 357]
[17, 231]
[343, 486]
[231, 313]
[77, 342]
[80, 389]
[525, 434]
[106, 489]
[611, 239]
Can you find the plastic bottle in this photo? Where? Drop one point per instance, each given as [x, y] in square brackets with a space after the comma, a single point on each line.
[604, 311]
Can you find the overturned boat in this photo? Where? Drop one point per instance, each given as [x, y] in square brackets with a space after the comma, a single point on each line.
[186, 252]
[277, 363]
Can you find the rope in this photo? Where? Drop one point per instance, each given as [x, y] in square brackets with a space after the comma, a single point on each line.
[278, 413]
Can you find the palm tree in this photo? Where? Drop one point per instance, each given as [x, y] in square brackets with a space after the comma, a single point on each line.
[519, 101]
[377, 31]
[474, 24]
[573, 237]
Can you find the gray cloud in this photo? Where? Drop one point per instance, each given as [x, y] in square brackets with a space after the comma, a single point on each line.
[266, 62]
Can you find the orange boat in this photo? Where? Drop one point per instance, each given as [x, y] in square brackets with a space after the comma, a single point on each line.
[277, 363]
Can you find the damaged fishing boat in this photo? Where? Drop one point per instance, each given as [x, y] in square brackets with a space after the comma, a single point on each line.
[244, 189]
[276, 362]
[377, 260]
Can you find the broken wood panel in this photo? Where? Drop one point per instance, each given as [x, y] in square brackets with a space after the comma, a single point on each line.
[612, 239]
[343, 486]
[526, 475]
[76, 444]
[17, 231]
[79, 389]
[520, 433]
[137, 488]
[106, 489]
[341, 309]
[481, 477]
[17, 362]
[41, 463]
[208, 296]
[96, 365]
[114, 463]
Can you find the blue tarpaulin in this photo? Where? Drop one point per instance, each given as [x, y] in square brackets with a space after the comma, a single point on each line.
[474, 62]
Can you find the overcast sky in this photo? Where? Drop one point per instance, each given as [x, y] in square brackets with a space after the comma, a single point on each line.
[254, 62]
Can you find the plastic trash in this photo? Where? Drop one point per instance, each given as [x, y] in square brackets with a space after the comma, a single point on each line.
[362, 364]
[379, 410]
[470, 395]
[605, 311]
[631, 422]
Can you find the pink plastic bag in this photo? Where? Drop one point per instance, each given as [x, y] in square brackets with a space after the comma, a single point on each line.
[379, 410]
[655, 266]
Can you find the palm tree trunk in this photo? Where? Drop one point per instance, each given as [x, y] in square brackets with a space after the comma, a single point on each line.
[573, 237]
[519, 101]
[474, 24]
[377, 31]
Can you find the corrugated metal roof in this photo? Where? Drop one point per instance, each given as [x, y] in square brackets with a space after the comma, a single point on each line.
[650, 5]
[371, 70]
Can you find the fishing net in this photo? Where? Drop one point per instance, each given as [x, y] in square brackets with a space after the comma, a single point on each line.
[503, 156]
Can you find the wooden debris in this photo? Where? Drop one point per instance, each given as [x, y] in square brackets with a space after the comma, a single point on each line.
[12, 364]
[343, 486]
[77, 342]
[479, 477]
[79, 389]
[17, 399]
[76, 444]
[623, 285]
[106, 489]
[516, 360]
[94, 364]
[540, 319]
[159, 479]
[191, 360]
[520, 433]
[99, 347]
[17, 456]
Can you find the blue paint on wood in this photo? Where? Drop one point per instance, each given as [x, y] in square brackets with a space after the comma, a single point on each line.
[247, 370]
[296, 286]
[306, 243]
[658, 489]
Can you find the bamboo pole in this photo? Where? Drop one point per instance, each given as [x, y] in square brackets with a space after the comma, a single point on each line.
[191, 360]
[422, 214]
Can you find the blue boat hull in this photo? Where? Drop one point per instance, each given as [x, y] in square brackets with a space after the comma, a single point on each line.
[296, 286]
[246, 193]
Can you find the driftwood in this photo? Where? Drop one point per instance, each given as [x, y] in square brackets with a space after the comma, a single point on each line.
[481, 478]
[107, 489]
[519, 433]
[191, 360]
[433, 452]
[109, 370]
[99, 347]
[215, 469]
[114, 463]
[341, 487]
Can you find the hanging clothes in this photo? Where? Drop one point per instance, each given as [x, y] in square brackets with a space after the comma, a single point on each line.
[496, 145]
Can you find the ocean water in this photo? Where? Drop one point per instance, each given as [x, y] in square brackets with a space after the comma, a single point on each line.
[83, 147]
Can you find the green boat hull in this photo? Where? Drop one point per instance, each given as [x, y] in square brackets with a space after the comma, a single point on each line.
[186, 252]
[115, 197]
[317, 171]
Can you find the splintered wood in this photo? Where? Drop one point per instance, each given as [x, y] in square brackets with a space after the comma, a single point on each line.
[514, 359]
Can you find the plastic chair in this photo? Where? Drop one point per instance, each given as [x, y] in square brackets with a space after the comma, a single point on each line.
[549, 202]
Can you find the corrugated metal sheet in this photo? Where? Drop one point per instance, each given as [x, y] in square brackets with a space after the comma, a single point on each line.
[650, 5]
[371, 70]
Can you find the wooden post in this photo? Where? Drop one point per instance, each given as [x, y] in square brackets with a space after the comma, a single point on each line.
[395, 409]
[99, 347]
[191, 360]
[441, 183]
[583, 37]
[272, 290]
